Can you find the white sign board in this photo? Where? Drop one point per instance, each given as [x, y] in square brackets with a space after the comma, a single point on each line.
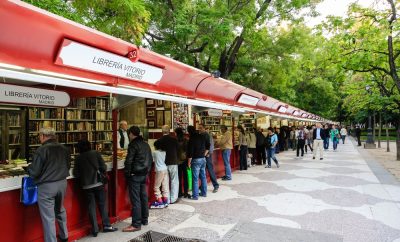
[282, 109]
[32, 96]
[214, 112]
[247, 99]
[84, 57]
[296, 113]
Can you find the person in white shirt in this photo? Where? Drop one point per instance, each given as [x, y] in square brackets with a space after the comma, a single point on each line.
[343, 133]
[122, 135]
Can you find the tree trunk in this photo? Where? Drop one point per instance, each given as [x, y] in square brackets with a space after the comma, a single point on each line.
[380, 130]
[387, 137]
[398, 140]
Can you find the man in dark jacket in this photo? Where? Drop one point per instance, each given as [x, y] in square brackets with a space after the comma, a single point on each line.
[171, 147]
[50, 169]
[319, 135]
[358, 135]
[198, 147]
[260, 147]
[209, 161]
[137, 167]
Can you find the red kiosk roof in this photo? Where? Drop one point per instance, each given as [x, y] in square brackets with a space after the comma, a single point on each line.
[32, 37]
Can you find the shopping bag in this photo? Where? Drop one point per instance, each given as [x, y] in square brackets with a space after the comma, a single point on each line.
[189, 175]
[29, 191]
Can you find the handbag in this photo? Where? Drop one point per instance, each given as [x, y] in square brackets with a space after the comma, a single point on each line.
[29, 191]
[102, 177]
[189, 175]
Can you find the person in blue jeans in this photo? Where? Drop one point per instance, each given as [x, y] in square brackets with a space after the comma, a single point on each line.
[226, 145]
[209, 162]
[272, 141]
[198, 147]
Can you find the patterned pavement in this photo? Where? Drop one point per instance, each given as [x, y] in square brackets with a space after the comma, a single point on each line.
[339, 198]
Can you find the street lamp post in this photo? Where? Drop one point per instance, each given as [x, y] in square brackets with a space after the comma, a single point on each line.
[370, 144]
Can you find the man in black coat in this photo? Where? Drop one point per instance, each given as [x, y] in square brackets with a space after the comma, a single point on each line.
[358, 135]
[137, 167]
[260, 147]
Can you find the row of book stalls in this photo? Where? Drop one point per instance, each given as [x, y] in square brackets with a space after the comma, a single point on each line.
[82, 83]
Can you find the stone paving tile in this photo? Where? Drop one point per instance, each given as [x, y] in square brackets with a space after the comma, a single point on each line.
[345, 198]
[248, 231]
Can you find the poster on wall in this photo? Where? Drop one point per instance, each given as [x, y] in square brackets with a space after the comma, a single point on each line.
[180, 116]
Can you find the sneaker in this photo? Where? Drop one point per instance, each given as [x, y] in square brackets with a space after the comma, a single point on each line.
[321, 158]
[277, 165]
[202, 195]
[268, 167]
[165, 201]
[187, 195]
[194, 198]
[157, 204]
[313, 158]
[215, 190]
[226, 179]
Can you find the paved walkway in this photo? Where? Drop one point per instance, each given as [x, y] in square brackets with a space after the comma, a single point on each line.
[341, 198]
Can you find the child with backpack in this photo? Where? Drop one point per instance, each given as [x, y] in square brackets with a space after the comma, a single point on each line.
[161, 179]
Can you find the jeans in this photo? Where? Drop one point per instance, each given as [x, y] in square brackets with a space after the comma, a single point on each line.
[335, 142]
[343, 138]
[300, 146]
[271, 155]
[139, 200]
[183, 178]
[99, 194]
[261, 154]
[211, 172]
[226, 155]
[199, 171]
[326, 143]
[174, 180]
[243, 157]
[51, 207]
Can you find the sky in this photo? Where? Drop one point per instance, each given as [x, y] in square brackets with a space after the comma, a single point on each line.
[335, 7]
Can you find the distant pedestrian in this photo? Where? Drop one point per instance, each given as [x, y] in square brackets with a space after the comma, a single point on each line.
[209, 157]
[50, 169]
[335, 136]
[225, 144]
[358, 135]
[198, 147]
[87, 167]
[319, 136]
[252, 142]
[308, 139]
[343, 134]
[293, 140]
[260, 147]
[326, 140]
[242, 148]
[271, 142]
[301, 136]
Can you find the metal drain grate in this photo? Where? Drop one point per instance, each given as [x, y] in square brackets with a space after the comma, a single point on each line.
[152, 236]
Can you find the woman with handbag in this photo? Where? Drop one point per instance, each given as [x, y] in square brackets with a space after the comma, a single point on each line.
[91, 171]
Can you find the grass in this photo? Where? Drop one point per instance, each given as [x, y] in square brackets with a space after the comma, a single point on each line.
[383, 138]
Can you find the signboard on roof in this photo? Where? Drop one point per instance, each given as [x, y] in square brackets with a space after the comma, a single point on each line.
[282, 109]
[247, 99]
[77, 55]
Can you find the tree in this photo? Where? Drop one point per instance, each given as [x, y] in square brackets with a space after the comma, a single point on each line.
[369, 42]
[124, 19]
